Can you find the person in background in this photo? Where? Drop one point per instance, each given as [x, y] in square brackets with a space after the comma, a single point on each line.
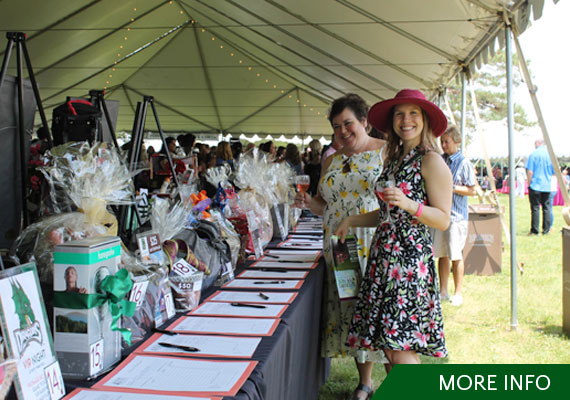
[346, 187]
[224, 155]
[280, 154]
[520, 177]
[333, 148]
[448, 245]
[150, 151]
[237, 149]
[179, 166]
[293, 158]
[398, 309]
[313, 165]
[539, 170]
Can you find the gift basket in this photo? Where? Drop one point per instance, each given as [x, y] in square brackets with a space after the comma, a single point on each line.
[83, 181]
[253, 204]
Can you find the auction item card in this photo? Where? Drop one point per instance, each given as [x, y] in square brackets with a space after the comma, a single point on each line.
[177, 376]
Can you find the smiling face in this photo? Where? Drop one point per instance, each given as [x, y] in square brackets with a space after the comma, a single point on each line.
[348, 130]
[408, 122]
[448, 145]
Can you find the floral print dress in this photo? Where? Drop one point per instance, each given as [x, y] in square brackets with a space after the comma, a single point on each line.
[398, 305]
[347, 188]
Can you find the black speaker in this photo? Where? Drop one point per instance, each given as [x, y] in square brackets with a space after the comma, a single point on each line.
[11, 203]
[76, 120]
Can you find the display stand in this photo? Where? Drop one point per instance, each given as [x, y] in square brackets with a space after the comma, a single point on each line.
[20, 39]
[134, 156]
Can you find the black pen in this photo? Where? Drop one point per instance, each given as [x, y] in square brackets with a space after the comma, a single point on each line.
[267, 282]
[164, 331]
[247, 305]
[270, 256]
[280, 270]
[264, 297]
[179, 346]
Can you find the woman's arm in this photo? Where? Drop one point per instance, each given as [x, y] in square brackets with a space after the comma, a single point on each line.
[368, 220]
[316, 203]
[438, 181]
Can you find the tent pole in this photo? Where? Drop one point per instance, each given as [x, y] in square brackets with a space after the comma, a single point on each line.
[463, 108]
[512, 196]
[532, 91]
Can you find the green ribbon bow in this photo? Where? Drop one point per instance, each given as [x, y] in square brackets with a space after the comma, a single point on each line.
[114, 288]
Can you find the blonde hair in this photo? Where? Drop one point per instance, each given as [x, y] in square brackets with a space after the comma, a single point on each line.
[224, 151]
[453, 133]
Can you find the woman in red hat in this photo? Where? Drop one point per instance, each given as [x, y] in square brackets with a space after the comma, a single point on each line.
[398, 307]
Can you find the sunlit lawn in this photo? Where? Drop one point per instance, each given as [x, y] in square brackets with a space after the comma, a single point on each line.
[480, 331]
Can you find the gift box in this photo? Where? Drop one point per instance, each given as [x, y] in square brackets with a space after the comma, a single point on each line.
[85, 342]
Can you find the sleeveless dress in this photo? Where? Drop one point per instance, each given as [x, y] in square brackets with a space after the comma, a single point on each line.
[398, 305]
[346, 193]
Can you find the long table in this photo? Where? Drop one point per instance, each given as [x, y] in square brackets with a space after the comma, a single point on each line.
[290, 366]
[289, 363]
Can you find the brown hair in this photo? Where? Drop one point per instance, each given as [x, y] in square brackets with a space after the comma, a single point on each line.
[224, 151]
[354, 103]
[292, 154]
[394, 144]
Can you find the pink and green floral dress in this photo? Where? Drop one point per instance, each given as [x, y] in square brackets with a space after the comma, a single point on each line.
[398, 305]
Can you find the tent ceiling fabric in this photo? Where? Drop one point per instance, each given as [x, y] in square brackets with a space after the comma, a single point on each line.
[253, 66]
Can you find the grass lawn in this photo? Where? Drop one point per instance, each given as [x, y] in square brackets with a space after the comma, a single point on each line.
[479, 332]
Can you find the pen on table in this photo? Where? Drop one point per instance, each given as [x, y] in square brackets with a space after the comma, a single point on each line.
[267, 282]
[264, 297]
[270, 256]
[179, 346]
[248, 305]
[280, 270]
[164, 331]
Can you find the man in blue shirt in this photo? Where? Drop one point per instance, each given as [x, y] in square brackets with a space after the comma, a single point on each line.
[448, 245]
[539, 170]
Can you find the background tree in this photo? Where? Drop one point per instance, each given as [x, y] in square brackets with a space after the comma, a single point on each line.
[490, 89]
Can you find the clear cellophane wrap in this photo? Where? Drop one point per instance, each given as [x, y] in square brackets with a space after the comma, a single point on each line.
[256, 194]
[83, 180]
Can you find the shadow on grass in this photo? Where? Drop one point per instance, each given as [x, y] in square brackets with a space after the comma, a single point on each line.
[553, 330]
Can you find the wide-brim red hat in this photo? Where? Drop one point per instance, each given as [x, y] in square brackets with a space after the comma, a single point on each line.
[379, 114]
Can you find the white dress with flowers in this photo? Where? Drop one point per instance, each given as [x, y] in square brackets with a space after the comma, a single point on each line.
[346, 193]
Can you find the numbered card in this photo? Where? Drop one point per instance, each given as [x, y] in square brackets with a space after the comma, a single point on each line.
[54, 381]
[170, 310]
[255, 234]
[96, 357]
[286, 217]
[138, 292]
[281, 227]
[150, 248]
[183, 268]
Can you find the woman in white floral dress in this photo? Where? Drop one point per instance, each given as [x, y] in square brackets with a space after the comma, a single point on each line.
[346, 188]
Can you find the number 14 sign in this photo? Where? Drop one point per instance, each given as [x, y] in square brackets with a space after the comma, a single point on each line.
[54, 381]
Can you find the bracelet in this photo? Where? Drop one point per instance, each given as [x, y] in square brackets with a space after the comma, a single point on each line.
[420, 209]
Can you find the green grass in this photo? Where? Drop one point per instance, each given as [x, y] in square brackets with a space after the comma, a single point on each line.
[479, 332]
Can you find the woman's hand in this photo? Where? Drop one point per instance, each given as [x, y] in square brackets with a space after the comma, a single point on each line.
[302, 200]
[395, 197]
[342, 229]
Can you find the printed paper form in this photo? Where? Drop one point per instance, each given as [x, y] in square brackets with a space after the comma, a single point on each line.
[266, 284]
[283, 265]
[227, 309]
[209, 346]
[228, 326]
[274, 275]
[253, 297]
[163, 374]
[91, 394]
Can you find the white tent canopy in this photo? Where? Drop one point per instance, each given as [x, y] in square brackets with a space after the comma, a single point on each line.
[253, 66]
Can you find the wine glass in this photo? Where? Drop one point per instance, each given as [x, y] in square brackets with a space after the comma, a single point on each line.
[379, 188]
[302, 182]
